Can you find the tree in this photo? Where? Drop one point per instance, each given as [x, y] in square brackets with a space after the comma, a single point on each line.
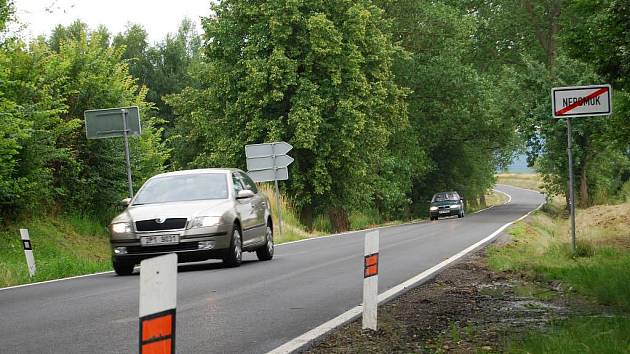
[315, 74]
[456, 110]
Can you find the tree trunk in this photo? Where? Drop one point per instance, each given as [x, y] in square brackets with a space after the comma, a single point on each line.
[306, 217]
[482, 200]
[339, 219]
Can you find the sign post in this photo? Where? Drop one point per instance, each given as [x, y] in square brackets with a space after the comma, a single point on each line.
[28, 251]
[578, 101]
[112, 123]
[370, 280]
[158, 299]
[269, 162]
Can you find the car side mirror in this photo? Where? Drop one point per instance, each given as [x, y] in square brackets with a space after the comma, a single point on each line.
[245, 194]
[125, 202]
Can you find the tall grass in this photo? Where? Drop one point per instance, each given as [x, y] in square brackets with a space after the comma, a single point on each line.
[292, 228]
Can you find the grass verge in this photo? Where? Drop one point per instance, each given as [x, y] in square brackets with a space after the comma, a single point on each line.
[63, 246]
[541, 250]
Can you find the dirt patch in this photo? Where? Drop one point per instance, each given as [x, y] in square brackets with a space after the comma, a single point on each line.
[467, 308]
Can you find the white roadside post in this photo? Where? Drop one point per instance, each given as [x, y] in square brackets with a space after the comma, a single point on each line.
[158, 299]
[28, 251]
[370, 280]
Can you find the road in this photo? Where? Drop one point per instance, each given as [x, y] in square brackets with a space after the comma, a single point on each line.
[251, 309]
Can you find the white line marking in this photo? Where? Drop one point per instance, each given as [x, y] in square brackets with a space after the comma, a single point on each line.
[54, 280]
[312, 335]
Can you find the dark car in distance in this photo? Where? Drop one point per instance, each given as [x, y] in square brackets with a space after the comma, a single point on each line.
[446, 204]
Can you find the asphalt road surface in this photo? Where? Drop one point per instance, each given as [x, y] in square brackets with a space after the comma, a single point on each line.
[251, 309]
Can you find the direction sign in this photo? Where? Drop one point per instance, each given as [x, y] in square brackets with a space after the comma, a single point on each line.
[268, 162]
[280, 174]
[269, 149]
[108, 123]
[580, 101]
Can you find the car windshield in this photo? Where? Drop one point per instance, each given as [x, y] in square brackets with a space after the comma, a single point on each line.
[441, 197]
[183, 188]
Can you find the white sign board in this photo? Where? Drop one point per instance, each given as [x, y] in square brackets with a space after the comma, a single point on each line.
[280, 174]
[268, 162]
[581, 101]
[268, 149]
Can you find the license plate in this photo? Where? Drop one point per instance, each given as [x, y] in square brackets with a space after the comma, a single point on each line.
[159, 240]
[444, 211]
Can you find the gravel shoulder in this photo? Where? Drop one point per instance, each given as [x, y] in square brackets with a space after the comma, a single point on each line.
[467, 308]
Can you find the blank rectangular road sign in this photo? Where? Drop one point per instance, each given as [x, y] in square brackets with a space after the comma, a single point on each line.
[281, 174]
[108, 123]
[580, 101]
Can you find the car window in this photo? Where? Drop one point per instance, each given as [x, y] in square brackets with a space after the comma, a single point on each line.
[237, 183]
[248, 182]
[183, 188]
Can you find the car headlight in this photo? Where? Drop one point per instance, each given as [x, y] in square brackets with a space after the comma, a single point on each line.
[433, 208]
[204, 221]
[456, 206]
[120, 228]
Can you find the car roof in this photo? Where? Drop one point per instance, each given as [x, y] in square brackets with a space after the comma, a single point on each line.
[197, 171]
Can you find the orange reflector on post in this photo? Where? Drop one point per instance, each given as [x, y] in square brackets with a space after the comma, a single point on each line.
[157, 333]
[370, 265]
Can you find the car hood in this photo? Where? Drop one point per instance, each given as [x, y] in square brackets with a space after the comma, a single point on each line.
[445, 202]
[187, 209]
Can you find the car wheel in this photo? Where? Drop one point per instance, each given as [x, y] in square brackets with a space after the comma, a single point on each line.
[265, 252]
[123, 268]
[234, 255]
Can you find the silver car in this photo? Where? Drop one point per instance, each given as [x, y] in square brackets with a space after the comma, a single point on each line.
[198, 214]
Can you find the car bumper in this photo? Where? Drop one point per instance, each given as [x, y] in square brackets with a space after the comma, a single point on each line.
[189, 249]
[452, 212]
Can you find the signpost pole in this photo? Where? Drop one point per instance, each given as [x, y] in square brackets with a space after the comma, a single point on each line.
[278, 208]
[571, 193]
[125, 132]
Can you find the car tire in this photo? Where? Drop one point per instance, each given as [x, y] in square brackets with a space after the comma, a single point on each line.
[265, 253]
[234, 254]
[123, 268]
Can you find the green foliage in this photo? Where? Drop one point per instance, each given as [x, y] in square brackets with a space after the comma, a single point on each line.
[46, 159]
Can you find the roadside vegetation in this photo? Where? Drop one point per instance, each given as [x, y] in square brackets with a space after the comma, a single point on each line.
[523, 180]
[63, 246]
[541, 250]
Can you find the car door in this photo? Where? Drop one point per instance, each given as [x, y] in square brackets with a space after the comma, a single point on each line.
[259, 204]
[245, 210]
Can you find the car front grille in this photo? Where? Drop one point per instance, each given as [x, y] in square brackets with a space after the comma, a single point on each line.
[185, 246]
[168, 224]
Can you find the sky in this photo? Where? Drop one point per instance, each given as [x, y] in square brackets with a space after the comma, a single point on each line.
[158, 17]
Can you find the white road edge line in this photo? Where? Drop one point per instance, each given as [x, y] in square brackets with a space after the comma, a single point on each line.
[54, 280]
[281, 244]
[312, 335]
